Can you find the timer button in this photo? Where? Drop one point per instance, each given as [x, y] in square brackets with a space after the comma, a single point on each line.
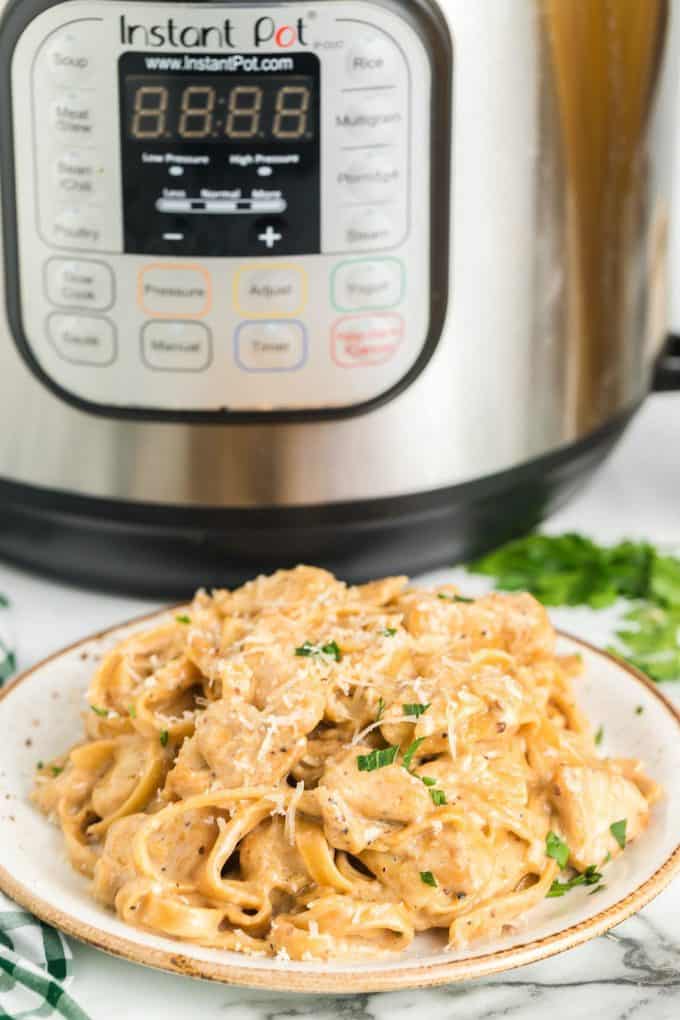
[373, 179]
[75, 283]
[363, 341]
[167, 291]
[270, 291]
[372, 60]
[368, 283]
[176, 346]
[270, 346]
[71, 55]
[83, 339]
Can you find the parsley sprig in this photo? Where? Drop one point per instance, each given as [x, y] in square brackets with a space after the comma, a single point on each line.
[377, 759]
[307, 649]
[415, 709]
[591, 876]
[557, 849]
[427, 878]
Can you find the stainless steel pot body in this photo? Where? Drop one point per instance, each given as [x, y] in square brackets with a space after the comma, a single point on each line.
[555, 308]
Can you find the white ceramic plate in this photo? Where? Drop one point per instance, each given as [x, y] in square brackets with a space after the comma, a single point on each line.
[40, 715]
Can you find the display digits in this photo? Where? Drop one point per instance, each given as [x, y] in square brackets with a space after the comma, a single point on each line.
[196, 117]
[291, 111]
[150, 112]
[244, 111]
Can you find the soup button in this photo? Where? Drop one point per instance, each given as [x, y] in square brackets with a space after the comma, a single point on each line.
[270, 346]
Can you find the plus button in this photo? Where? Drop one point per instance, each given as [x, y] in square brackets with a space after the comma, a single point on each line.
[270, 237]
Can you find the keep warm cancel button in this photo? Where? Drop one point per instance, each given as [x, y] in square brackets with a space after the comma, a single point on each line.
[366, 340]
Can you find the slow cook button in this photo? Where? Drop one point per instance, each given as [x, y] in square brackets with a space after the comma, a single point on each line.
[77, 283]
[167, 291]
[368, 283]
[275, 346]
[360, 341]
[83, 339]
[374, 179]
[272, 291]
[372, 60]
[176, 346]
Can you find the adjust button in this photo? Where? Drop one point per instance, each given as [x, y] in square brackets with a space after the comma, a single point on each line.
[176, 346]
[83, 339]
[360, 341]
[167, 291]
[273, 346]
[77, 283]
[270, 291]
[368, 283]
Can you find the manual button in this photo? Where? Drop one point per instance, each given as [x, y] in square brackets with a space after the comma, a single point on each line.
[77, 283]
[83, 339]
[176, 346]
[167, 291]
[270, 291]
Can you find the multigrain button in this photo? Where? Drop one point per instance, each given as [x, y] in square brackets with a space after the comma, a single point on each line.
[372, 60]
[270, 346]
[77, 283]
[270, 291]
[372, 119]
[83, 339]
[181, 291]
[368, 283]
[361, 341]
[176, 346]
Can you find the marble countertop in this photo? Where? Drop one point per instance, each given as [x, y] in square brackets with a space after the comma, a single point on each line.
[634, 971]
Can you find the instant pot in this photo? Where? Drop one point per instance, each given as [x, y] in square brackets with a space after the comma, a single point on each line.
[369, 283]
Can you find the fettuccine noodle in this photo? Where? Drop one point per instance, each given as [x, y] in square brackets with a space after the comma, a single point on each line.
[309, 770]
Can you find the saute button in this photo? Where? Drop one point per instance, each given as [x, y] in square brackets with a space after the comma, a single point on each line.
[83, 339]
[372, 60]
[368, 283]
[168, 291]
[270, 346]
[270, 291]
[365, 340]
[76, 283]
[176, 346]
[70, 56]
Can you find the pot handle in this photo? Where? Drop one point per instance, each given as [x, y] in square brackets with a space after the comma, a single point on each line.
[667, 371]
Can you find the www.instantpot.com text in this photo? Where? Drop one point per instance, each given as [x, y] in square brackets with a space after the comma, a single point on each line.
[235, 62]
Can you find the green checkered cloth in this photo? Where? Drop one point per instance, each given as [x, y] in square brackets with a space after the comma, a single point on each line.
[35, 961]
[35, 968]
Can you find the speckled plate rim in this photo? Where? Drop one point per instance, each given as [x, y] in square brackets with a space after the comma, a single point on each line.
[419, 975]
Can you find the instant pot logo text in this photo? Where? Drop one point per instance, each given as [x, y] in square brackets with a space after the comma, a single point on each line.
[265, 31]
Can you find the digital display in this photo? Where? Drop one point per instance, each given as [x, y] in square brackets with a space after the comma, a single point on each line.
[221, 155]
[271, 109]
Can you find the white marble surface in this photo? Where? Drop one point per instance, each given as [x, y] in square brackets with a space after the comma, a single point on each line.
[632, 972]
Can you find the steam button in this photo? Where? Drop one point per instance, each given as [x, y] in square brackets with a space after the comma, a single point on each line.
[369, 229]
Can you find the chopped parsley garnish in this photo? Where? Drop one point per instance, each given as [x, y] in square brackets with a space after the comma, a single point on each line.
[103, 712]
[438, 797]
[133, 712]
[331, 649]
[183, 618]
[557, 849]
[410, 751]
[416, 709]
[388, 632]
[452, 598]
[598, 889]
[639, 710]
[618, 831]
[599, 736]
[56, 769]
[428, 879]
[377, 759]
[429, 780]
[588, 877]
[163, 737]
[40, 765]
[381, 709]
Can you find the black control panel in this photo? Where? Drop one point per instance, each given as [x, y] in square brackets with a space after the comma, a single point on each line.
[220, 154]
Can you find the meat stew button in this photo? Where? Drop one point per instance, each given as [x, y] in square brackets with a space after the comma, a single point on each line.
[361, 341]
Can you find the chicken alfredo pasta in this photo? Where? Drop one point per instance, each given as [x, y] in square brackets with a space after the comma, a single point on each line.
[311, 770]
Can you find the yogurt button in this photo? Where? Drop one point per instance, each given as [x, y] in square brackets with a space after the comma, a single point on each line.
[368, 284]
